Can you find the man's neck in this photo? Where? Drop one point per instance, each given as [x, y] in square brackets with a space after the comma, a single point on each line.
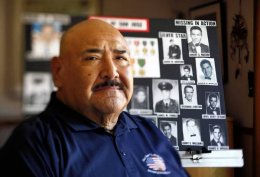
[107, 121]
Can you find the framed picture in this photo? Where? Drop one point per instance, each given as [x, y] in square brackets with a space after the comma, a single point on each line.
[213, 11]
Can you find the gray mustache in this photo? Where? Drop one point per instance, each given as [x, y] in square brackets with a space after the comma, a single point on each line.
[110, 83]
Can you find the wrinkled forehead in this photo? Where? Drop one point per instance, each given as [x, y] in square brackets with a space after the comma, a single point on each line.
[92, 33]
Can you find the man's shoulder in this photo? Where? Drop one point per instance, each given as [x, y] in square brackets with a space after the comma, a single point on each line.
[177, 46]
[31, 126]
[140, 121]
[35, 126]
[204, 46]
[159, 102]
[135, 118]
[173, 101]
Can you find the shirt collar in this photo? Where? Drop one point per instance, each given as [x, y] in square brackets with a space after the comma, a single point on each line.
[78, 122]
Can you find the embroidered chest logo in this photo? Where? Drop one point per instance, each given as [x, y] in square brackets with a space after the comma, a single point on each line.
[155, 164]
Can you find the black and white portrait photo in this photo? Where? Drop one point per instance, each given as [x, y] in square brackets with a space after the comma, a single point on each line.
[172, 50]
[213, 103]
[45, 39]
[140, 99]
[169, 129]
[198, 44]
[189, 94]
[166, 96]
[36, 92]
[191, 130]
[217, 135]
[186, 72]
[206, 71]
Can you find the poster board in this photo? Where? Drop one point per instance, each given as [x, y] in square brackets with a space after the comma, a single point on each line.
[177, 85]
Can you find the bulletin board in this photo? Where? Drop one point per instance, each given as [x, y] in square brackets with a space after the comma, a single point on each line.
[177, 76]
[177, 85]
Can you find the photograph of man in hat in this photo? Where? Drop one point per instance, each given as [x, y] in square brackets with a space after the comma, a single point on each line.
[166, 104]
[174, 51]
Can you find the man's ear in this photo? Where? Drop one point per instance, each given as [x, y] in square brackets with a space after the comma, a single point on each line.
[56, 69]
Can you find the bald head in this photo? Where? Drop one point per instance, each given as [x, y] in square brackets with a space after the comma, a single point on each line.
[75, 37]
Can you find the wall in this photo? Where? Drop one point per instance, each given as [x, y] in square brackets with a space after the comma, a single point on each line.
[257, 87]
[236, 90]
[238, 104]
[10, 58]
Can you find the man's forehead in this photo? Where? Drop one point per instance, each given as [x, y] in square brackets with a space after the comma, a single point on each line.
[93, 33]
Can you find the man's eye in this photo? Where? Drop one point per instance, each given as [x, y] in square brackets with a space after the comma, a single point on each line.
[121, 58]
[89, 58]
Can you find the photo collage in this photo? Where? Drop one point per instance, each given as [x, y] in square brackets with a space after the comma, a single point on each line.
[177, 75]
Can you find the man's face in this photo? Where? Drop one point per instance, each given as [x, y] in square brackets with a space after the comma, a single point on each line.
[140, 96]
[166, 94]
[191, 126]
[95, 75]
[172, 42]
[207, 70]
[167, 131]
[213, 102]
[186, 72]
[216, 133]
[189, 93]
[196, 36]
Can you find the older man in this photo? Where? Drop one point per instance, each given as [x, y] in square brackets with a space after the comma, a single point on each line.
[83, 131]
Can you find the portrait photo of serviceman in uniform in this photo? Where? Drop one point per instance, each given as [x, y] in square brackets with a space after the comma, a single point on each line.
[196, 47]
[213, 104]
[191, 130]
[206, 72]
[186, 72]
[217, 136]
[174, 50]
[166, 104]
[84, 132]
[189, 94]
[140, 98]
[168, 127]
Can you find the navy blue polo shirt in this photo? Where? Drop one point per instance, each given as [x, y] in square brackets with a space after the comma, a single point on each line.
[61, 142]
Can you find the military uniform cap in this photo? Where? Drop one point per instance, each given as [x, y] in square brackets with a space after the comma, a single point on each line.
[165, 86]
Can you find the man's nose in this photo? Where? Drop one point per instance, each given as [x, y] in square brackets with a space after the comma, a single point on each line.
[109, 68]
